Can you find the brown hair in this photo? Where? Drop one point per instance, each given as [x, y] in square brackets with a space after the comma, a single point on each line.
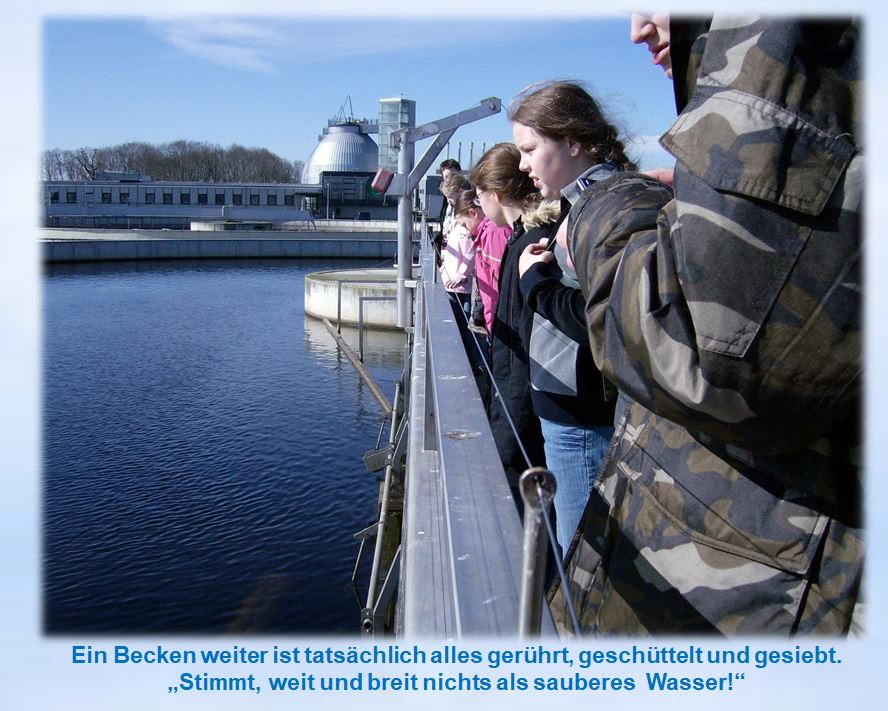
[465, 201]
[455, 183]
[562, 109]
[497, 170]
[450, 163]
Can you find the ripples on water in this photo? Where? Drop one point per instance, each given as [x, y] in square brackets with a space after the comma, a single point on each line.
[202, 450]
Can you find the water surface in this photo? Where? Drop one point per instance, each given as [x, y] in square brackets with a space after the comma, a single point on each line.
[202, 450]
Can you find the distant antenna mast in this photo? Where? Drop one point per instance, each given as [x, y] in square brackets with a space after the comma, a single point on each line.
[341, 116]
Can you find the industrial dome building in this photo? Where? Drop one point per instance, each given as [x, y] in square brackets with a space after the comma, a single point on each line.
[342, 148]
[346, 159]
[343, 164]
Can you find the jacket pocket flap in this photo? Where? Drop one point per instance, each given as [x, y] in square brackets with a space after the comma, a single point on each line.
[741, 144]
[716, 506]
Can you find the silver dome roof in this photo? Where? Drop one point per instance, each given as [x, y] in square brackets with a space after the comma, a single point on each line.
[343, 148]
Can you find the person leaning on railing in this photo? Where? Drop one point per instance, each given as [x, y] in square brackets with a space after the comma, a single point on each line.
[509, 198]
[731, 499]
[490, 243]
[565, 142]
[448, 167]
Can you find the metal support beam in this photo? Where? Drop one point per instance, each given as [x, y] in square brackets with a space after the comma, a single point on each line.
[386, 594]
[392, 466]
[486, 107]
[432, 152]
[404, 141]
[399, 185]
[405, 240]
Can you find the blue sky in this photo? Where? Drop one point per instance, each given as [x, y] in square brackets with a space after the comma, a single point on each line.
[273, 82]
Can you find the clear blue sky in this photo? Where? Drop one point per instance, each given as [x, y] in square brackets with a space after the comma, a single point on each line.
[274, 82]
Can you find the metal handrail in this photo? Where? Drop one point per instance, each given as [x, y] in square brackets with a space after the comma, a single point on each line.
[461, 566]
[537, 486]
[340, 282]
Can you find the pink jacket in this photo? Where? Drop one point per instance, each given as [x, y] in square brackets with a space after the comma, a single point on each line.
[490, 243]
[458, 260]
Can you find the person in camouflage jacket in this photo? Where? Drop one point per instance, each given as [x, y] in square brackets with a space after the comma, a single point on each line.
[730, 500]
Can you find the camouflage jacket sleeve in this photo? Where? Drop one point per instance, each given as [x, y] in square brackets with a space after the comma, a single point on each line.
[600, 224]
[739, 315]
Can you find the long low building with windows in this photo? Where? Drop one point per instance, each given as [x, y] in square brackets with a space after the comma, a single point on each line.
[137, 202]
[338, 174]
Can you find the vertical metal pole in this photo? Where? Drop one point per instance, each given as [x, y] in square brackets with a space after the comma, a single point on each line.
[533, 562]
[405, 237]
[423, 226]
[367, 612]
[361, 329]
[338, 306]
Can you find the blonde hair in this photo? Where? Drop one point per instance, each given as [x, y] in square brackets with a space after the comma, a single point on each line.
[454, 184]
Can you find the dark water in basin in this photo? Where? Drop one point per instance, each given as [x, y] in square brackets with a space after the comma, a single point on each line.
[202, 450]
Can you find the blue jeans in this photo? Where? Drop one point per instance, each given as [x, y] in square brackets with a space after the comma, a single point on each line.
[573, 455]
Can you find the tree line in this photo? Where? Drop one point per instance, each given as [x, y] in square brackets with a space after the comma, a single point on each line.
[178, 160]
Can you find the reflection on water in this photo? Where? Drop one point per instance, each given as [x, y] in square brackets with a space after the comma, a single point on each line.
[202, 450]
[381, 347]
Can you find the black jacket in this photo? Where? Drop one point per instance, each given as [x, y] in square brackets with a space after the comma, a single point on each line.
[509, 361]
[576, 396]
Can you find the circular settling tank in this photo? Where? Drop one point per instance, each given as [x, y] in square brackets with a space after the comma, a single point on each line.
[336, 295]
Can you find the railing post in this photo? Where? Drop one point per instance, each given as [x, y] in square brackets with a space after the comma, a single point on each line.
[406, 154]
[537, 486]
[361, 328]
[338, 306]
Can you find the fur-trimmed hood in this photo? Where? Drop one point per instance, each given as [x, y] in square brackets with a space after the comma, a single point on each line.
[546, 213]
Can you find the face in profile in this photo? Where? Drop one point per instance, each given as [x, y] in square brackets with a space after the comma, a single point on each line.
[551, 164]
[492, 209]
[653, 30]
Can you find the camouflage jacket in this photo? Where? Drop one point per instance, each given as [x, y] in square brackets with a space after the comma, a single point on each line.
[730, 498]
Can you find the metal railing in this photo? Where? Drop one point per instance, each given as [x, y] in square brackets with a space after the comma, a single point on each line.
[361, 326]
[462, 539]
[385, 283]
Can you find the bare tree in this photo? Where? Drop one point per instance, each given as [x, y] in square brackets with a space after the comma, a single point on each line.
[87, 162]
[177, 160]
[53, 167]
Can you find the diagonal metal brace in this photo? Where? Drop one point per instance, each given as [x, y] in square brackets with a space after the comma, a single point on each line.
[486, 107]
[432, 152]
[397, 458]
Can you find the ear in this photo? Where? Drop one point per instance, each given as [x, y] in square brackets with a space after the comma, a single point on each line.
[574, 148]
[496, 196]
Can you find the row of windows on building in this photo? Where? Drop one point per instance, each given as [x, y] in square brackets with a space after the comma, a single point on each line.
[123, 198]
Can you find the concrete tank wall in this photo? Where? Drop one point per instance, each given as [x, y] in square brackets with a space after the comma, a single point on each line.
[322, 296]
[89, 247]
